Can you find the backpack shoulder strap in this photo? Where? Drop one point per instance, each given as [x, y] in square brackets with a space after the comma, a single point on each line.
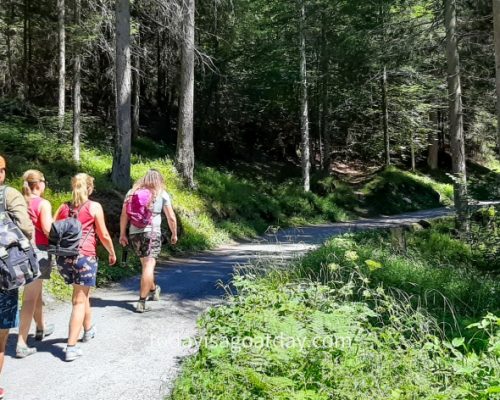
[3, 198]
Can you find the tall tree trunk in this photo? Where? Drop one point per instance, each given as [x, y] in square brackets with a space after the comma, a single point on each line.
[304, 113]
[62, 61]
[456, 117]
[385, 119]
[185, 145]
[76, 90]
[136, 86]
[433, 145]
[26, 18]
[10, 71]
[412, 151]
[324, 133]
[120, 174]
[496, 27]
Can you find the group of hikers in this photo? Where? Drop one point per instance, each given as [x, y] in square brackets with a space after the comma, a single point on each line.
[140, 228]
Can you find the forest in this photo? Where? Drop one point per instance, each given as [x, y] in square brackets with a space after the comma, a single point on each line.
[264, 115]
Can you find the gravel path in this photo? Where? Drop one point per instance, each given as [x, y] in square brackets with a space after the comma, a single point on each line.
[136, 356]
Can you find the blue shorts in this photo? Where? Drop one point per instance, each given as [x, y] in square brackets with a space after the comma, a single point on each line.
[81, 270]
[9, 315]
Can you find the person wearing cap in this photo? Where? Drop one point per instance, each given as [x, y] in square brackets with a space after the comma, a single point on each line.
[16, 207]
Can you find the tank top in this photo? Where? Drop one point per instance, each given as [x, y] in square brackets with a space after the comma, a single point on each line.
[88, 243]
[34, 213]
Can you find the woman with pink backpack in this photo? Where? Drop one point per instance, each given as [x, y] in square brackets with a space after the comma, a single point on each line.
[142, 208]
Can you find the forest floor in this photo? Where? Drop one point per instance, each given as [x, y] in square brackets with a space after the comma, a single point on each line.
[137, 356]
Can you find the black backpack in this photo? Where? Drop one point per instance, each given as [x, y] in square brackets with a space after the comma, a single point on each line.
[18, 262]
[65, 235]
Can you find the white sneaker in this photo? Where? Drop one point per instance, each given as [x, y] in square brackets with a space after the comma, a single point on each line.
[73, 352]
[89, 335]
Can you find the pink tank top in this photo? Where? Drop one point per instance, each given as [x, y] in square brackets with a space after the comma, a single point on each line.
[88, 243]
[34, 213]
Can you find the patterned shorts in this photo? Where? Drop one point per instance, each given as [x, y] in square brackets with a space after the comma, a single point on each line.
[45, 261]
[81, 270]
[146, 244]
[9, 315]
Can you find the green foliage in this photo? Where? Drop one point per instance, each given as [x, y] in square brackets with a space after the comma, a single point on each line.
[394, 191]
[285, 336]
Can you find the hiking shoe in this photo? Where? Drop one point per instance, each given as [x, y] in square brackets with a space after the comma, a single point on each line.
[72, 353]
[47, 331]
[2, 393]
[88, 335]
[154, 295]
[142, 306]
[24, 351]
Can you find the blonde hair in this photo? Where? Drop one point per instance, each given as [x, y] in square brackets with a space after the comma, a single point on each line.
[81, 184]
[31, 178]
[153, 180]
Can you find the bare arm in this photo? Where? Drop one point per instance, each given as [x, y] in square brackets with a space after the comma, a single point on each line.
[102, 232]
[123, 226]
[172, 222]
[46, 217]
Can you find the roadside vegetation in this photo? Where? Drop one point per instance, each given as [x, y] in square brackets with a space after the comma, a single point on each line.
[361, 317]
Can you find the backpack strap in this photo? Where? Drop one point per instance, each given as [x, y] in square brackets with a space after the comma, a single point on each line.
[3, 199]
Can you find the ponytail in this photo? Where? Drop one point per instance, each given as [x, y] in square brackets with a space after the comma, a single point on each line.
[30, 179]
[81, 184]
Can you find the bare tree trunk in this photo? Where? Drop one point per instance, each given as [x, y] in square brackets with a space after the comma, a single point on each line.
[304, 113]
[412, 151]
[324, 96]
[385, 119]
[185, 145]
[433, 145]
[120, 174]
[456, 117]
[10, 71]
[62, 61]
[76, 90]
[496, 27]
[136, 87]
[26, 21]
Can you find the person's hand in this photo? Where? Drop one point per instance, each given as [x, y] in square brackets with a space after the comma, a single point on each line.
[123, 240]
[112, 259]
[173, 239]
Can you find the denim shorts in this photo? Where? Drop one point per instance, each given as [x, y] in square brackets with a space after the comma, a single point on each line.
[146, 244]
[81, 270]
[9, 315]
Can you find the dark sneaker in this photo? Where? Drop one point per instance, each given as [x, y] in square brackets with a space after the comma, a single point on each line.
[142, 306]
[24, 351]
[72, 353]
[42, 333]
[154, 295]
[89, 335]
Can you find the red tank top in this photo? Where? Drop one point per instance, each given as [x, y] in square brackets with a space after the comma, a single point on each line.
[88, 243]
[34, 213]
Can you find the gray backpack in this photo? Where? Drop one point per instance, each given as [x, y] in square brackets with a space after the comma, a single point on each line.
[18, 262]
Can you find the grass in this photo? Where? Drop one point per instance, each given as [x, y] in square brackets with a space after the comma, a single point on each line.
[343, 323]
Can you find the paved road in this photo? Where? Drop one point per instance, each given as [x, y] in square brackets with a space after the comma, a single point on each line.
[136, 356]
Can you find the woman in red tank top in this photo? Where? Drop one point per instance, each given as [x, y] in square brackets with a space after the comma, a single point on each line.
[81, 271]
[40, 212]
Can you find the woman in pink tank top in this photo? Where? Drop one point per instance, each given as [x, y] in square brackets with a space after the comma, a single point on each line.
[81, 271]
[40, 212]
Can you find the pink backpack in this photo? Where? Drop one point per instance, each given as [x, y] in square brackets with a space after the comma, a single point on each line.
[139, 210]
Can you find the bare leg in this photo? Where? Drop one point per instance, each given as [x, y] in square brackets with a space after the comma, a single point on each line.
[38, 316]
[30, 297]
[87, 321]
[4, 335]
[148, 276]
[80, 301]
